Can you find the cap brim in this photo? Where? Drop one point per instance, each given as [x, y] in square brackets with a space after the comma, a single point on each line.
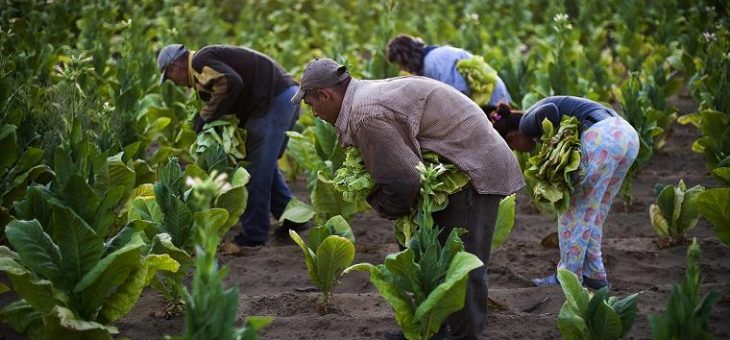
[298, 96]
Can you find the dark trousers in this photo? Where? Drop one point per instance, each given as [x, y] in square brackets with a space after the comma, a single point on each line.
[266, 141]
[477, 214]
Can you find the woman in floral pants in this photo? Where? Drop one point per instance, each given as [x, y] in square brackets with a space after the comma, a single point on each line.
[609, 146]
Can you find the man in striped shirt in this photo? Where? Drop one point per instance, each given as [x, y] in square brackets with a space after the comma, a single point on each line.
[392, 121]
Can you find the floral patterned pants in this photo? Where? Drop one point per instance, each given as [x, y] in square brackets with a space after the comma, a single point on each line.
[609, 147]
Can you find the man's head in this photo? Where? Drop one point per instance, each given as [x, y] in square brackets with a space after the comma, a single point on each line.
[172, 63]
[323, 87]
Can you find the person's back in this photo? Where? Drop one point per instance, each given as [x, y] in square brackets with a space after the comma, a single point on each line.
[261, 78]
[436, 117]
[439, 62]
[586, 111]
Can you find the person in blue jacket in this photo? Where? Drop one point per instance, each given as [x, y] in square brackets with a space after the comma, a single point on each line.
[439, 62]
[609, 145]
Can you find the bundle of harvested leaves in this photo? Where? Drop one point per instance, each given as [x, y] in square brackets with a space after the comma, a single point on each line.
[480, 76]
[225, 132]
[556, 164]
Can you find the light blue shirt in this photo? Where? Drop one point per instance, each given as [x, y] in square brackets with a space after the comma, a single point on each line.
[440, 64]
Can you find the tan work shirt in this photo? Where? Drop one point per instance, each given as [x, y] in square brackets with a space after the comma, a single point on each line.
[393, 120]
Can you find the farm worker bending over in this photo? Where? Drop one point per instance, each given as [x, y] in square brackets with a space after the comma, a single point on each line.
[439, 62]
[609, 145]
[254, 87]
[392, 121]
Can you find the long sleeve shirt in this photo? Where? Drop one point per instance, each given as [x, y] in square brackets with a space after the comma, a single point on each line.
[393, 120]
[440, 63]
[553, 108]
[236, 80]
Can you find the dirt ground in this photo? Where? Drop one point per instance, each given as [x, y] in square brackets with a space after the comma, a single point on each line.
[271, 279]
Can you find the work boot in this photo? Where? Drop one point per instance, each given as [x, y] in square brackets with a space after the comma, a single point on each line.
[595, 284]
[548, 281]
[398, 335]
[243, 241]
[283, 230]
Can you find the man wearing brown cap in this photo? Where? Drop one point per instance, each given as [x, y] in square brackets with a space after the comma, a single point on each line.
[392, 121]
[255, 88]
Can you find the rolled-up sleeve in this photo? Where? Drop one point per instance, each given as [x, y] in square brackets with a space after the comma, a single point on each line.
[390, 158]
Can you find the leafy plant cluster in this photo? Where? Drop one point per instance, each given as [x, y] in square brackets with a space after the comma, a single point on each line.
[687, 313]
[178, 204]
[328, 251]
[317, 152]
[77, 263]
[426, 282]
[210, 308]
[586, 315]
[675, 213]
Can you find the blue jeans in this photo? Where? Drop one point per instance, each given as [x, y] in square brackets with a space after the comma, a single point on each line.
[266, 141]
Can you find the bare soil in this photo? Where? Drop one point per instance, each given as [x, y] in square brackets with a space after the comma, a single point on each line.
[273, 279]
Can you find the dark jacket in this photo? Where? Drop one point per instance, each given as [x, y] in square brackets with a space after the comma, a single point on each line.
[236, 80]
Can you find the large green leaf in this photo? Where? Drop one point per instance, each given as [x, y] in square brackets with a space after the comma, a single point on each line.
[21, 316]
[571, 325]
[334, 254]
[660, 224]
[403, 268]
[605, 323]
[723, 175]
[125, 235]
[302, 149]
[689, 210]
[576, 296]
[310, 257]
[145, 208]
[30, 158]
[448, 297]
[9, 145]
[396, 297]
[234, 201]
[162, 244]
[626, 309]
[714, 204]
[120, 174]
[252, 325]
[108, 274]
[36, 249]
[211, 219]
[80, 247]
[325, 139]
[328, 202]
[297, 211]
[17, 188]
[40, 293]
[505, 221]
[81, 197]
[61, 323]
[125, 297]
[337, 225]
[105, 213]
[178, 222]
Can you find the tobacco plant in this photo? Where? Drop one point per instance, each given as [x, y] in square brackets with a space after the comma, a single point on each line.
[426, 282]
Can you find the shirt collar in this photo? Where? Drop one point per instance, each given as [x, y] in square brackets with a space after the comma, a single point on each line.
[343, 117]
[191, 71]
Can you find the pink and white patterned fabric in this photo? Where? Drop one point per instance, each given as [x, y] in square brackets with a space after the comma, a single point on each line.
[609, 147]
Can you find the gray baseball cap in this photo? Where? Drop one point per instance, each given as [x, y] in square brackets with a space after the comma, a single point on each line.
[318, 74]
[167, 56]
